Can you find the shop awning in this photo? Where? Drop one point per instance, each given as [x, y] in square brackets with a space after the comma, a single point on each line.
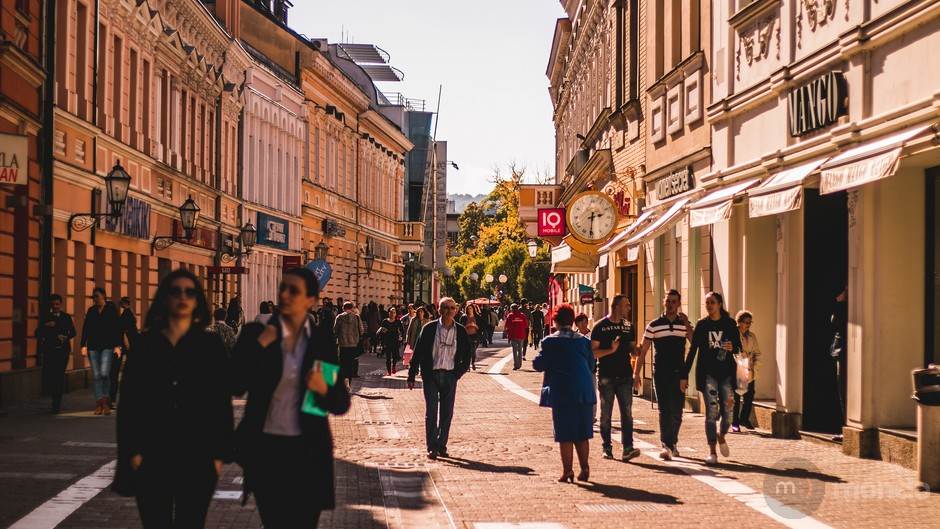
[621, 238]
[868, 162]
[716, 206]
[565, 260]
[782, 192]
[661, 224]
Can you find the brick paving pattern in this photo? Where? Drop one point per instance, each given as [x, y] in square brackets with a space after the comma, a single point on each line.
[502, 469]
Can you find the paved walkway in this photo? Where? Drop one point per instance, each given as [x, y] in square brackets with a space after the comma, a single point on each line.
[502, 470]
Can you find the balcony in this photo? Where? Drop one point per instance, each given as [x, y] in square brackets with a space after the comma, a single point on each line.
[411, 236]
[533, 197]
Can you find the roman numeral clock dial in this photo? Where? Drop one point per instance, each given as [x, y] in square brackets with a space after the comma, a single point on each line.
[592, 217]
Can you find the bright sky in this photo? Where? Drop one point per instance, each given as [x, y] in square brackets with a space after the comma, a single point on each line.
[489, 55]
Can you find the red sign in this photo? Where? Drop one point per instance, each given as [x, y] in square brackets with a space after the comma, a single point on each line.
[551, 222]
[587, 299]
[201, 237]
[289, 262]
[223, 270]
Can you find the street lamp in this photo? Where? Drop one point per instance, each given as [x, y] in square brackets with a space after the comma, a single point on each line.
[321, 251]
[369, 259]
[116, 184]
[533, 247]
[488, 278]
[474, 276]
[247, 237]
[189, 216]
[503, 279]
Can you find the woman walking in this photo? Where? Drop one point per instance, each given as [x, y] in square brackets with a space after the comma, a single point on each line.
[101, 341]
[471, 321]
[567, 388]
[391, 334]
[750, 350]
[175, 413]
[287, 454]
[717, 340]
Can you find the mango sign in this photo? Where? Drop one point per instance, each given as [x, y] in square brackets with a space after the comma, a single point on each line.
[14, 152]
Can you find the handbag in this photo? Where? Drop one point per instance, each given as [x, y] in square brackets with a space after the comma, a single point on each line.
[408, 354]
[743, 374]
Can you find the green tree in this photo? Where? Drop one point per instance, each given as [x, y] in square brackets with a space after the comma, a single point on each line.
[533, 278]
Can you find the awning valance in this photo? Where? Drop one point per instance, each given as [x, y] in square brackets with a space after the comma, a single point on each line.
[716, 206]
[781, 192]
[661, 224]
[565, 260]
[621, 238]
[868, 162]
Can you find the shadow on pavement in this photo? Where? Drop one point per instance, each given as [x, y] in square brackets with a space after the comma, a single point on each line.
[618, 492]
[664, 469]
[737, 466]
[480, 466]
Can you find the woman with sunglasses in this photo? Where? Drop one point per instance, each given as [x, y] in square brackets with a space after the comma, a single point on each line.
[287, 454]
[175, 414]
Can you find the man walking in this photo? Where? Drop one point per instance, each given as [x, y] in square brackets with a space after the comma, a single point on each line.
[442, 355]
[537, 323]
[54, 342]
[101, 342]
[612, 340]
[348, 332]
[225, 333]
[668, 334]
[517, 328]
[128, 323]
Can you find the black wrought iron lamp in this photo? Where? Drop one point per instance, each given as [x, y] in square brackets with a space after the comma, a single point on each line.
[247, 237]
[369, 260]
[189, 215]
[117, 183]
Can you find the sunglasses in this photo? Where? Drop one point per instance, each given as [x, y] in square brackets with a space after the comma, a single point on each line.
[290, 289]
[179, 292]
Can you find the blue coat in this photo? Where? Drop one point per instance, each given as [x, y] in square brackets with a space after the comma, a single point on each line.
[568, 364]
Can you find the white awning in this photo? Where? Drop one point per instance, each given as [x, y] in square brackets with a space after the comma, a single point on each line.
[716, 206]
[781, 192]
[663, 223]
[621, 238]
[868, 162]
[565, 260]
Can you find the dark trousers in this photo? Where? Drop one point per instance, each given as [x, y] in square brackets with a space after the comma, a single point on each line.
[742, 414]
[175, 496]
[281, 486]
[671, 400]
[54, 363]
[440, 391]
[536, 336]
[348, 363]
[622, 390]
[116, 364]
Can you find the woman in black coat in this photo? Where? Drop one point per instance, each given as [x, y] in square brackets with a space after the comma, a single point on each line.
[175, 414]
[391, 334]
[286, 453]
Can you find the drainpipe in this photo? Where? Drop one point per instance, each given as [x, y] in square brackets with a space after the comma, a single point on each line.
[45, 159]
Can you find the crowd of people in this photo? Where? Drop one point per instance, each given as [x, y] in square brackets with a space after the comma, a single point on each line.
[297, 358]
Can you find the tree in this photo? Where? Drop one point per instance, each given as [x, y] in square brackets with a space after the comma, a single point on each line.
[533, 278]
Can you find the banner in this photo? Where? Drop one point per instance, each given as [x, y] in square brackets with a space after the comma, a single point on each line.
[322, 270]
[14, 161]
[272, 231]
[777, 202]
[551, 222]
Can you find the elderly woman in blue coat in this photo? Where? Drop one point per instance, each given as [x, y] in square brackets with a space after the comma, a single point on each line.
[568, 364]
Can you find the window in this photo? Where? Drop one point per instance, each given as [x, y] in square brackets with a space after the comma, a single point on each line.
[81, 62]
[132, 108]
[316, 155]
[117, 80]
[146, 105]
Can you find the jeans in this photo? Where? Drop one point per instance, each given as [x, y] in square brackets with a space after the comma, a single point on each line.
[536, 336]
[671, 401]
[518, 348]
[440, 390]
[622, 389]
[718, 403]
[101, 371]
[742, 414]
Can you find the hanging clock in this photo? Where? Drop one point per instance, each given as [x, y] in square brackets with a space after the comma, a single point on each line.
[592, 217]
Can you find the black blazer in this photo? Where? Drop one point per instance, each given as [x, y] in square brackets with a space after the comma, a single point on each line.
[257, 370]
[48, 337]
[175, 405]
[423, 359]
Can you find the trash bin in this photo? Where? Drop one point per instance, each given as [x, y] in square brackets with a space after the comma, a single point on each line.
[927, 396]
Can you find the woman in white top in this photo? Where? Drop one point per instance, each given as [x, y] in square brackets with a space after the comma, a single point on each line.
[751, 351]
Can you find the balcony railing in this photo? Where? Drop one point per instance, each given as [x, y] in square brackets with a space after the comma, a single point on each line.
[411, 231]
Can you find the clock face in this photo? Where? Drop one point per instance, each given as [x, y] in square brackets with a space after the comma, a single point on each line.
[592, 217]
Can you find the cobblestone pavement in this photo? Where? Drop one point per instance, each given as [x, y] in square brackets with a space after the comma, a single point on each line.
[501, 472]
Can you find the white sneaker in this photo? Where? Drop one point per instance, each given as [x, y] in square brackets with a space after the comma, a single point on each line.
[712, 459]
[723, 447]
[665, 455]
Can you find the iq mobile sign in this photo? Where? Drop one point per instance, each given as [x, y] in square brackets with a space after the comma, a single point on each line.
[551, 222]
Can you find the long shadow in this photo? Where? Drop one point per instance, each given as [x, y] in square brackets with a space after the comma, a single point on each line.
[663, 469]
[480, 466]
[372, 397]
[618, 492]
[795, 472]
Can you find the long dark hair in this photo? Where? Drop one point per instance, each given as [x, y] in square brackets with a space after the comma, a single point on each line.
[721, 303]
[159, 313]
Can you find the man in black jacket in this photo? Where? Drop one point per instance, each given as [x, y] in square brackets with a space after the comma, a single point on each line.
[54, 342]
[442, 355]
[101, 342]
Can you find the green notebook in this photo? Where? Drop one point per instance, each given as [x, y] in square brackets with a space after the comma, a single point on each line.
[330, 374]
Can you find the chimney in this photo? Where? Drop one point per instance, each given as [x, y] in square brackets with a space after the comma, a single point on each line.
[280, 10]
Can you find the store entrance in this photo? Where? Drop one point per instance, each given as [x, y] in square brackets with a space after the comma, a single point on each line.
[825, 277]
[628, 287]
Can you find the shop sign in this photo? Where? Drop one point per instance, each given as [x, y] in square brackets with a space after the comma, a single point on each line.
[14, 159]
[675, 183]
[817, 104]
[322, 270]
[227, 270]
[858, 173]
[200, 237]
[774, 203]
[272, 231]
[551, 222]
[134, 222]
[586, 294]
[289, 262]
[331, 228]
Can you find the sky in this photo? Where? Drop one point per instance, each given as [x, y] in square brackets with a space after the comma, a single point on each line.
[489, 55]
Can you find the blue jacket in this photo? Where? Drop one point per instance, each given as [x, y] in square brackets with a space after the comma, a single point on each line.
[568, 364]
